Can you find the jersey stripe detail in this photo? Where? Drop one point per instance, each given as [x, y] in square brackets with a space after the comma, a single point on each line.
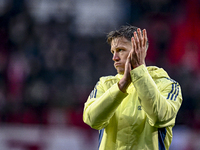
[175, 90]
[93, 94]
[171, 91]
[176, 94]
[100, 137]
[161, 137]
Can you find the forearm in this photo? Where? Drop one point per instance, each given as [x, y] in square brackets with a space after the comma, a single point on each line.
[98, 111]
[153, 101]
[123, 85]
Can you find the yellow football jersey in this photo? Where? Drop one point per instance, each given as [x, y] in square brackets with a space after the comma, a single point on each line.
[142, 118]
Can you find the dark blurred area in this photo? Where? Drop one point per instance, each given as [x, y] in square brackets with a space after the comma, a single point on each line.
[52, 53]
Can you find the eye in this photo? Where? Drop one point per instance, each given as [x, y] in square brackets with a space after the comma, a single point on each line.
[120, 50]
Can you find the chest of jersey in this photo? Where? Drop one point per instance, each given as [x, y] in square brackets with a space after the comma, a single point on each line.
[130, 117]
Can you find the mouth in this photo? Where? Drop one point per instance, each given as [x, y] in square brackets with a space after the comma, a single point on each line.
[116, 64]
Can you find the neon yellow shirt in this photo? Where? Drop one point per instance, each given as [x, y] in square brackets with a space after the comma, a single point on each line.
[142, 118]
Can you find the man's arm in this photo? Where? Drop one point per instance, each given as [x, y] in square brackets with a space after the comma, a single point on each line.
[101, 105]
[162, 103]
[160, 110]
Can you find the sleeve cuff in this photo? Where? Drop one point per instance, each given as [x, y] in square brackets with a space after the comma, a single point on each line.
[116, 93]
[138, 72]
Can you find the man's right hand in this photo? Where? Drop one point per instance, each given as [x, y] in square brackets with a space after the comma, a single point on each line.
[126, 80]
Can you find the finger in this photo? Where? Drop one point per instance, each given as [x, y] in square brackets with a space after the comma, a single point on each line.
[128, 64]
[140, 37]
[132, 40]
[132, 58]
[144, 38]
[136, 41]
[129, 57]
[133, 44]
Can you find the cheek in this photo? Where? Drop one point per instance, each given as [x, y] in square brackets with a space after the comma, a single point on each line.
[125, 57]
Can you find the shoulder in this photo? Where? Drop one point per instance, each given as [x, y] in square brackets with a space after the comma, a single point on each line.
[105, 79]
[160, 76]
[157, 72]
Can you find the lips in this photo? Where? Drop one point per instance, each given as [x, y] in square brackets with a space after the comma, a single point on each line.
[117, 64]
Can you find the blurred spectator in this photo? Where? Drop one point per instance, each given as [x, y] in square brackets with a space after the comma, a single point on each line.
[50, 51]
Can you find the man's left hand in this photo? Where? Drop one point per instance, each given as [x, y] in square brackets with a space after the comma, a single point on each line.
[139, 47]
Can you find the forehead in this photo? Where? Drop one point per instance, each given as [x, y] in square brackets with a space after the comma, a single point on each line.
[120, 42]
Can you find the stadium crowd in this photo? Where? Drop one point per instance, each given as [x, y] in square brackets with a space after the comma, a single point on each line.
[47, 69]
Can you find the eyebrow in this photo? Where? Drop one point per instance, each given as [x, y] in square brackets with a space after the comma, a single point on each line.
[118, 47]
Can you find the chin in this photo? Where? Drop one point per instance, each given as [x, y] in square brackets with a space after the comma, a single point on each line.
[120, 72]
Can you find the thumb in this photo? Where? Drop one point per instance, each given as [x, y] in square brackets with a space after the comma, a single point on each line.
[128, 63]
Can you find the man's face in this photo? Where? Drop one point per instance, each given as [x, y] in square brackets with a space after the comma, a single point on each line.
[120, 48]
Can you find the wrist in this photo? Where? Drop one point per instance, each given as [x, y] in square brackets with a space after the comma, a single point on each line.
[123, 85]
[135, 66]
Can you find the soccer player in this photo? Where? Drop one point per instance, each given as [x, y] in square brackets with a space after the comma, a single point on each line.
[135, 109]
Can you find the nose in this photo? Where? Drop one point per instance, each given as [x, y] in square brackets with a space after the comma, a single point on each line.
[115, 57]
